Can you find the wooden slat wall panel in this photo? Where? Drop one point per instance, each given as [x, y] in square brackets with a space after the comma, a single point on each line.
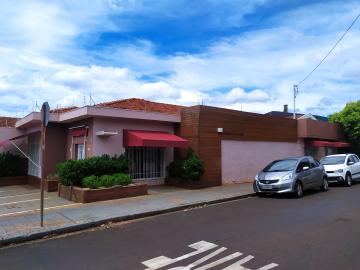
[189, 128]
[199, 125]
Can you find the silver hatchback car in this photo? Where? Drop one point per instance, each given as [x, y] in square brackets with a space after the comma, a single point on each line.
[291, 175]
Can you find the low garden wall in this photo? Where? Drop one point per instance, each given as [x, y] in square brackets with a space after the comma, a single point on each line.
[87, 195]
[13, 180]
[187, 184]
[50, 185]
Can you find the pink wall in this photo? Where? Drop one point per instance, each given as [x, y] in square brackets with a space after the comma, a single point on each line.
[242, 160]
[55, 147]
[114, 144]
[8, 133]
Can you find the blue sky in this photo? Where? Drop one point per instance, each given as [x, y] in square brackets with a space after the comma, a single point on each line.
[234, 54]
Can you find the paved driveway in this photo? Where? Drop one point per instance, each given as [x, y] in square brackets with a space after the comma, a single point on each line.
[25, 199]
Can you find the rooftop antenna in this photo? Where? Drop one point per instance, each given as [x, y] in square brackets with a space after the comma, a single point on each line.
[92, 100]
[37, 108]
[84, 100]
[296, 92]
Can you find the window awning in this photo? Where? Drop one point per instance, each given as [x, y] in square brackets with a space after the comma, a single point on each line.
[316, 143]
[78, 132]
[153, 139]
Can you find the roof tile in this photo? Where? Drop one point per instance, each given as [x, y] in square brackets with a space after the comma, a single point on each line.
[142, 105]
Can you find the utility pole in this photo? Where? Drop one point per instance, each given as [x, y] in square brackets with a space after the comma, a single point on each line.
[45, 115]
[296, 92]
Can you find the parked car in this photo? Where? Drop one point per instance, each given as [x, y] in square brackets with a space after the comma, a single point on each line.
[291, 175]
[343, 168]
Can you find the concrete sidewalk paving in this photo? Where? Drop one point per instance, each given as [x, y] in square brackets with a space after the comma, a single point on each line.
[18, 227]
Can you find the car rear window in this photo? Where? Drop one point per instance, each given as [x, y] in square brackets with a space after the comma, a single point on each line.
[333, 160]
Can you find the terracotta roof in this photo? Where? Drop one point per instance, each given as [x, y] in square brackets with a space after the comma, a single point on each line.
[64, 110]
[142, 105]
[7, 121]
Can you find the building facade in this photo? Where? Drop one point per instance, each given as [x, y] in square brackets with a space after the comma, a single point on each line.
[234, 145]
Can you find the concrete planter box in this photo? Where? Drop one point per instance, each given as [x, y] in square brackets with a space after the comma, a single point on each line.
[13, 180]
[87, 195]
[50, 184]
[188, 184]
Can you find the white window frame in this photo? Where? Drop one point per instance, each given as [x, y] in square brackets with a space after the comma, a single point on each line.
[80, 148]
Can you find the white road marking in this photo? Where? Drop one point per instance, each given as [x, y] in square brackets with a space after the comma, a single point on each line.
[38, 209]
[269, 266]
[200, 261]
[225, 259]
[162, 261]
[17, 202]
[238, 264]
[200, 247]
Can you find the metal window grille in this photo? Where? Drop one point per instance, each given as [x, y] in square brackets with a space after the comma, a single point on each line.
[34, 154]
[146, 162]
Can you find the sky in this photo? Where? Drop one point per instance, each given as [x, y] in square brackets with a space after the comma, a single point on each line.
[238, 54]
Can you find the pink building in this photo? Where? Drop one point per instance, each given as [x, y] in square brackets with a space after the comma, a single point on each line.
[109, 128]
[234, 145]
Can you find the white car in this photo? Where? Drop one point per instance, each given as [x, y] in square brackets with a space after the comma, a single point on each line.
[342, 168]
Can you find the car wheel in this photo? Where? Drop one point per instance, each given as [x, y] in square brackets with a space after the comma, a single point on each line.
[348, 180]
[298, 190]
[325, 185]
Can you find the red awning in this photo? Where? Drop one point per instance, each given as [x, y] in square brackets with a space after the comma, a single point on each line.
[78, 132]
[316, 143]
[153, 139]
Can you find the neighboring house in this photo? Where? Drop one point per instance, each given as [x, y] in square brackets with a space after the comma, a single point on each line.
[233, 144]
[8, 130]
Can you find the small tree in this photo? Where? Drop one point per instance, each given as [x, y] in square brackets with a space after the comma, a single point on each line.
[191, 168]
[349, 118]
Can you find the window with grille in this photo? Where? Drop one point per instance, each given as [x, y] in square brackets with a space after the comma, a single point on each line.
[146, 162]
[34, 155]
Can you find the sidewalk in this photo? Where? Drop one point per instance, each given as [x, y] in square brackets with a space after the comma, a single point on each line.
[20, 226]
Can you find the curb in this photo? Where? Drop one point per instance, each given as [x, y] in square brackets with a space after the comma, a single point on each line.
[80, 227]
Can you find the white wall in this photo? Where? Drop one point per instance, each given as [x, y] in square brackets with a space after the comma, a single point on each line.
[242, 160]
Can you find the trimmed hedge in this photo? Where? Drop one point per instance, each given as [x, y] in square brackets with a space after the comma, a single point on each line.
[12, 165]
[94, 182]
[192, 168]
[72, 172]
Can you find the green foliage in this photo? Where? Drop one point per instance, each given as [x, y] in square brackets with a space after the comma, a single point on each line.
[12, 165]
[95, 182]
[349, 118]
[175, 168]
[72, 172]
[91, 181]
[191, 168]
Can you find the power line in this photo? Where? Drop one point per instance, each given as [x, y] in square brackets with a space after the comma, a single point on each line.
[337, 42]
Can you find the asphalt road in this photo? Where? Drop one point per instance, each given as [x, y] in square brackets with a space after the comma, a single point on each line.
[319, 231]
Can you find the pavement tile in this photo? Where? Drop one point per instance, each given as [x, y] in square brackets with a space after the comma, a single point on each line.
[64, 214]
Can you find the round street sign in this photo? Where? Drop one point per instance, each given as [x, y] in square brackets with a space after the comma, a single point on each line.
[45, 113]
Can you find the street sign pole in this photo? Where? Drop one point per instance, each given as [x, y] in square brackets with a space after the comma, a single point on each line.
[45, 114]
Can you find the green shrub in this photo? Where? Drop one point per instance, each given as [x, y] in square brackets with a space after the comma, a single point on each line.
[122, 179]
[71, 172]
[95, 182]
[12, 165]
[91, 181]
[191, 168]
[175, 168]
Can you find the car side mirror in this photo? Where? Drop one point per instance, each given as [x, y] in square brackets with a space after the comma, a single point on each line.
[351, 163]
[305, 168]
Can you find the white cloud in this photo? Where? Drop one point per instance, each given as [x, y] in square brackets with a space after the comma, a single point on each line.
[238, 95]
[38, 39]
